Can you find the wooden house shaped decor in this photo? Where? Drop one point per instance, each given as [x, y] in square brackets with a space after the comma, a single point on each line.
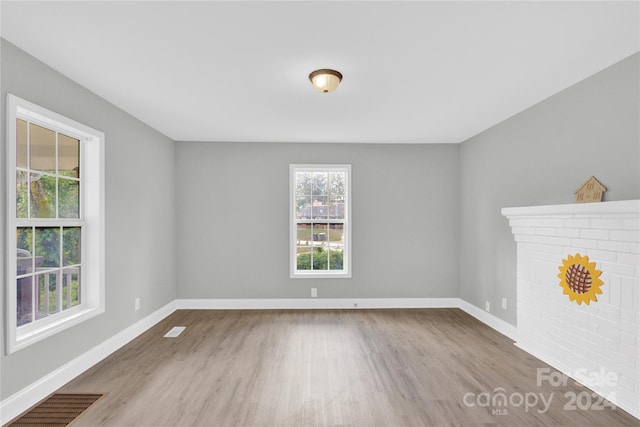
[590, 191]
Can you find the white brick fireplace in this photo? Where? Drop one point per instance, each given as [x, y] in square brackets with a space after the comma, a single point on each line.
[598, 343]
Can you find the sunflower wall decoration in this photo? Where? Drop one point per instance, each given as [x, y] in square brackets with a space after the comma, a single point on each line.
[579, 279]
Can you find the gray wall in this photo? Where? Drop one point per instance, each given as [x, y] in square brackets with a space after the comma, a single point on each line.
[539, 157]
[426, 218]
[233, 220]
[140, 223]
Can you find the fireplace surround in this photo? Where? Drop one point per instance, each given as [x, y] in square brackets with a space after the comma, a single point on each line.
[597, 342]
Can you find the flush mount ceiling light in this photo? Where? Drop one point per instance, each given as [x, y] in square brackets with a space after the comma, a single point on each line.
[325, 80]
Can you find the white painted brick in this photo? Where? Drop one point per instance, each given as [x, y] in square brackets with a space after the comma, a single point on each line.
[576, 223]
[598, 255]
[523, 230]
[560, 241]
[629, 339]
[595, 234]
[634, 248]
[630, 327]
[609, 313]
[625, 235]
[545, 231]
[629, 359]
[520, 222]
[568, 232]
[612, 286]
[606, 223]
[606, 356]
[587, 215]
[625, 383]
[604, 299]
[576, 316]
[606, 342]
[627, 292]
[615, 268]
[614, 246]
[607, 328]
[631, 224]
[584, 243]
[581, 362]
[549, 258]
[627, 258]
[541, 241]
[627, 369]
[628, 315]
[552, 222]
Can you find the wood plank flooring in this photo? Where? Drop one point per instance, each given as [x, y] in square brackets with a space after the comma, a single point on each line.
[325, 368]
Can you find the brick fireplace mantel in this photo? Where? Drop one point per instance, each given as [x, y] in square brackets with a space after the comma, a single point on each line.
[582, 340]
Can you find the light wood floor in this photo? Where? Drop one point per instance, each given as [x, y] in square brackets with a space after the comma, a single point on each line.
[323, 368]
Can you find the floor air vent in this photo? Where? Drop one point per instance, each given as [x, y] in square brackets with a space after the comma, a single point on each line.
[58, 410]
[175, 331]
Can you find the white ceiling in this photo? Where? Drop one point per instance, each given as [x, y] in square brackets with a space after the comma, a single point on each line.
[414, 72]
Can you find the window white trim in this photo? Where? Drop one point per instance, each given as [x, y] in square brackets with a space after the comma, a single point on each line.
[294, 273]
[93, 234]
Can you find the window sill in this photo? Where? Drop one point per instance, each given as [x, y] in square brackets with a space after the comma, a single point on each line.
[326, 275]
[30, 334]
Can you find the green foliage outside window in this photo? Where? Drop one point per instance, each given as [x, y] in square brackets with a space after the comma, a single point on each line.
[322, 260]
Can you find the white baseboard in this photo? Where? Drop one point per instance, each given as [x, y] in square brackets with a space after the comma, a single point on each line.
[314, 303]
[489, 319]
[19, 402]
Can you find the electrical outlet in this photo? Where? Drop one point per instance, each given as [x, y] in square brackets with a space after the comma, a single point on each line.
[314, 292]
[137, 304]
[504, 303]
[487, 306]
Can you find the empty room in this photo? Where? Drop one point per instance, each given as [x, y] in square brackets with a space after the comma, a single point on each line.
[320, 213]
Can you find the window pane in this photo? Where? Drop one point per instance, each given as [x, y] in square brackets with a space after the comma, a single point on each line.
[21, 143]
[303, 183]
[47, 296]
[320, 234]
[303, 235]
[303, 207]
[336, 183]
[321, 210]
[320, 242]
[336, 207]
[68, 198]
[319, 258]
[24, 300]
[54, 289]
[336, 259]
[68, 156]
[75, 288]
[336, 246]
[304, 258]
[42, 148]
[24, 239]
[336, 234]
[22, 194]
[71, 246]
[43, 196]
[319, 184]
[48, 246]
[71, 287]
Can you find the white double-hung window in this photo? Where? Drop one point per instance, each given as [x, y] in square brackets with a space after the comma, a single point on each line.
[320, 212]
[55, 223]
